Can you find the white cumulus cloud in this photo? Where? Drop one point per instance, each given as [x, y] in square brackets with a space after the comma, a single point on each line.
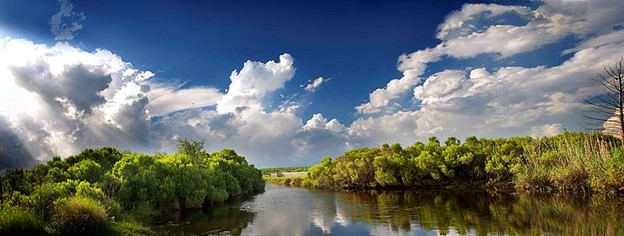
[494, 102]
[546, 130]
[313, 85]
[544, 25]
[250, 87]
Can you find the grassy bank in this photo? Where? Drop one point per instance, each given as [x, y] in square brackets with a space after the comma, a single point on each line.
[70, 216]
[106, 192]
[570, 162]
[268, 171]
[297, 181]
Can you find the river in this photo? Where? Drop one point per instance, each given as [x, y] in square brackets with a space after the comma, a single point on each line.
[284, 210]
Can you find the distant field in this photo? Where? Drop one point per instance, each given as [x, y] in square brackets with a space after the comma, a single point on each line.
[268, 171]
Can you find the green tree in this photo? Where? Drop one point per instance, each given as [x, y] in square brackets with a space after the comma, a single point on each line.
[322, 174]
[193, 148]
[86, 169]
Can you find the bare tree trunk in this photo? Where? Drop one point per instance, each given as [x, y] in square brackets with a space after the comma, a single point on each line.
[607, 109]
[618, 76]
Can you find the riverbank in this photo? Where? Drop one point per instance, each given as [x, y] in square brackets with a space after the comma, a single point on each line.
[305, 182]
[571, 162]
[293, 181]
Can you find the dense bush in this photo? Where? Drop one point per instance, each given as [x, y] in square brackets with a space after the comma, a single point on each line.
[184, 180]
[100, 188]
[566, 162]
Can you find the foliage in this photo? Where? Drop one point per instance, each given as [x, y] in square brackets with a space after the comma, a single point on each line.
[567, 162]
[79, 216]
[321, 176]
[14, 221]
[268, 171]
[99, 188]
[192, 148]
[297, 181]
[127, 229]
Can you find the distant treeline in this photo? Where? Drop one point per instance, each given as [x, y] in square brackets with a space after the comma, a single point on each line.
[103, 191]
[576, 162]
[268, 171]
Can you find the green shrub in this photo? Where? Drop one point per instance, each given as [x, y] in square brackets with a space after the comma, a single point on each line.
[44, 196]
[128, 229]
[88, 190]
[79, 216]
[17, 221]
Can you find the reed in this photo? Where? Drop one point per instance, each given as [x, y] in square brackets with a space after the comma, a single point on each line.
[574, 162]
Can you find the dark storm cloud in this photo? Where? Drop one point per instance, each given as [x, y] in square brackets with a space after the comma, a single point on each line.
[78, 83]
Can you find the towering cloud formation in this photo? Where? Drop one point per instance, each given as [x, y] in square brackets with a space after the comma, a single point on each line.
[79, 99]
[244, 119]
[252, 86]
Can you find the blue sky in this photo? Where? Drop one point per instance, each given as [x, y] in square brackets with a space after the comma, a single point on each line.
[150, 72]
[356, 43]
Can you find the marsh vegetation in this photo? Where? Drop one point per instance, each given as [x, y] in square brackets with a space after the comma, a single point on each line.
[573, 162]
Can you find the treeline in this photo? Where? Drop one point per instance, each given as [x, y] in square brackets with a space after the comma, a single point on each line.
[99, 190]
[577, 162]
[268, 171]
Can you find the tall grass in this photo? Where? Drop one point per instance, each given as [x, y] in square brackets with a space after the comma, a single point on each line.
[18, 221]
[575, 162]
[80, 216]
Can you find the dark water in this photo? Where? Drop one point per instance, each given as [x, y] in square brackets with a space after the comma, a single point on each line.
[294, 211]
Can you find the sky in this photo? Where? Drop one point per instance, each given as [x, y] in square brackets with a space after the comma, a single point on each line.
[285, 83]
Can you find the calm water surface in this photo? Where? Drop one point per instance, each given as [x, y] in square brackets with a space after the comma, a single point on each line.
[295, 211]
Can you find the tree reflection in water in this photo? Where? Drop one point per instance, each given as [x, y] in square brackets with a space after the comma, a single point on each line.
[296, 211]
[465, 212]
[218, 219]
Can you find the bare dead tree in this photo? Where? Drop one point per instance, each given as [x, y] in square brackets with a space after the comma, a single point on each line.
[605, 109]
